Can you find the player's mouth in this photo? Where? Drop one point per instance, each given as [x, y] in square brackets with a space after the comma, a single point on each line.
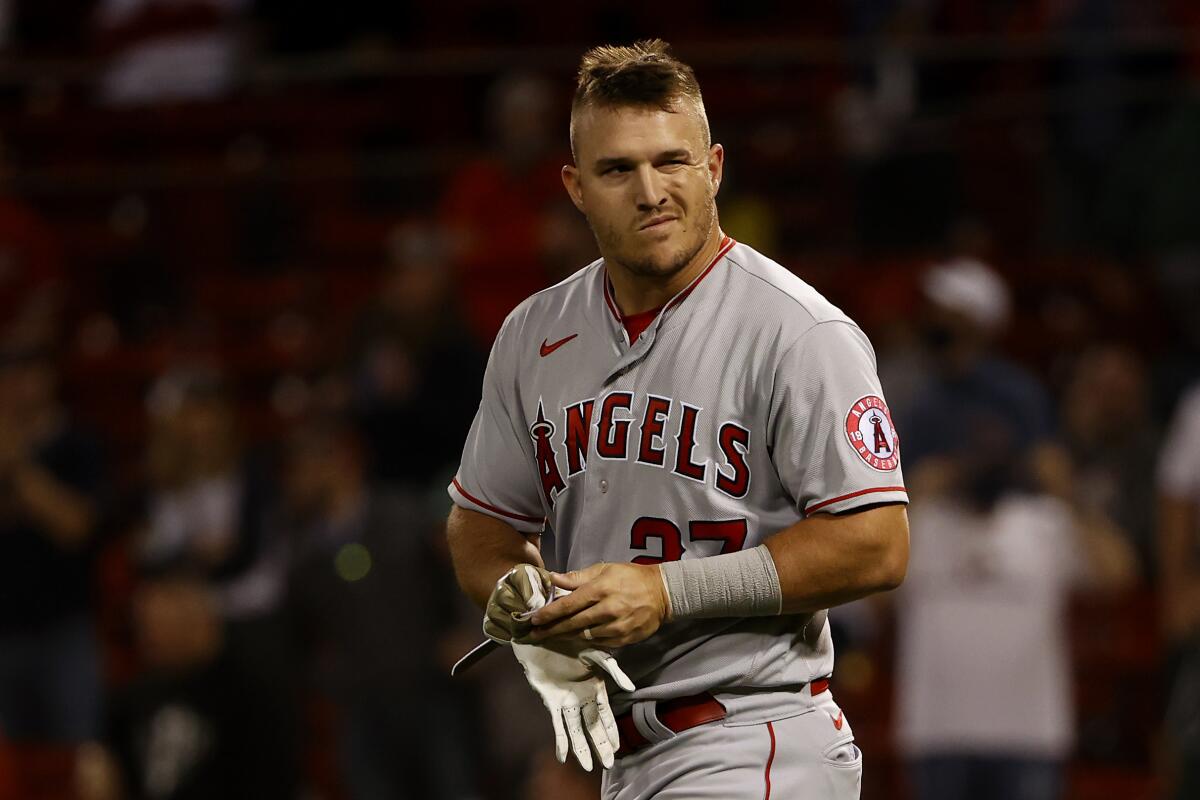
[657, 222]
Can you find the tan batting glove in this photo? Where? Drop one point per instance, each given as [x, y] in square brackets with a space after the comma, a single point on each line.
[573, 691]
[523, 589]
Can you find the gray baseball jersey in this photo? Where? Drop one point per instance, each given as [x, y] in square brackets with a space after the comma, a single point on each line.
[749, 403]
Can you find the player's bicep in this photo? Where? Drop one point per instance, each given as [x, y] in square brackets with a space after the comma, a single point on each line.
[835, 446]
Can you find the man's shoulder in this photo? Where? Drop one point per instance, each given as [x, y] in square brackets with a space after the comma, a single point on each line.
[775, 291]
[566, 297]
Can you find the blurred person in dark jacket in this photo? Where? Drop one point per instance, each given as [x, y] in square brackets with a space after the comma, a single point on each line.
[207, 494]
[1113, 442]
[360, 557]
[207, 503]
[968, 305]
[50, 504]
[197, 723]
[415, 365]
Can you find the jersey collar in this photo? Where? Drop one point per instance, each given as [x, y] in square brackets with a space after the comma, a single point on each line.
[727, 243]
[635, 352]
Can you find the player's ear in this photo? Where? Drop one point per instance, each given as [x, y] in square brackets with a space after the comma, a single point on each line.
[716, 166]
[570, 179]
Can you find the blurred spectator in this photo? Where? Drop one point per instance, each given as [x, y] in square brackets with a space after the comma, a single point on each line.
[197, 723]
[207, 496]
[50, 506]
[496, 207]
[369, 604]
[983, 681]
[207, 512]
[416, 368]
[1113, 443]
[965, 382]
[168, 49]
[1179, 572]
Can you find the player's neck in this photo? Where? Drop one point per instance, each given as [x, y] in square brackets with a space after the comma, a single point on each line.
[637, 293]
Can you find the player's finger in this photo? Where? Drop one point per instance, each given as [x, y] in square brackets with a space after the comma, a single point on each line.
[598, 659]
[563, 607]
[597, 733]
[574, 722]
[590, 617]
[560, 737]
[576, 578]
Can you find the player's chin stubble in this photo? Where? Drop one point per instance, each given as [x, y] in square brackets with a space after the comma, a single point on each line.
[638, 262]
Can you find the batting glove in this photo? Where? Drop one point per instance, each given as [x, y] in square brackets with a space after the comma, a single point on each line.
[523, 589]
[573, 691]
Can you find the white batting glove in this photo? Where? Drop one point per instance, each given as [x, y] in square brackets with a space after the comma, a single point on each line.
[573, 691]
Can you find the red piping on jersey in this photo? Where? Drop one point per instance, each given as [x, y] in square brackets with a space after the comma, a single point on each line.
[860, 492]
[612, 307]
[726, 245]
[770, 758]
[491, 507]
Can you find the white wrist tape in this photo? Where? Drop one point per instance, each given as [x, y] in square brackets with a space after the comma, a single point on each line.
[742, 584]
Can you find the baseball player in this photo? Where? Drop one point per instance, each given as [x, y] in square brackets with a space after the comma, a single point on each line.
[695, 442]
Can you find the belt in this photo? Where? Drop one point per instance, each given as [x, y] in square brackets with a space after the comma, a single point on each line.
[682, 713]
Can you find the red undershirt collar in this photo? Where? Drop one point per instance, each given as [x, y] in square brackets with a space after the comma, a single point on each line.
[636, 324]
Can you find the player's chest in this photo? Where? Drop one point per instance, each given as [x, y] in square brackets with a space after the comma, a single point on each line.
[677, 415]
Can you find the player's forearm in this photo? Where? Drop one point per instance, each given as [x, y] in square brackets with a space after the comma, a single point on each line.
[826, 560]
[483, 549]
[820, 562]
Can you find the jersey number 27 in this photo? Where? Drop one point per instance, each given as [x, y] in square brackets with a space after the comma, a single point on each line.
[730, 533]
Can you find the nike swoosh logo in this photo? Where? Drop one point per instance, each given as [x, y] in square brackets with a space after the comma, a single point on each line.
[837, 723]
[547, 349]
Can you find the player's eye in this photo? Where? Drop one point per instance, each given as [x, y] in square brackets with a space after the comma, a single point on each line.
[616, 168]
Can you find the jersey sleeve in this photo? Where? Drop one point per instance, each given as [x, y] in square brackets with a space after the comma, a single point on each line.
[833, 442]
[495, 476]
[1179, 461]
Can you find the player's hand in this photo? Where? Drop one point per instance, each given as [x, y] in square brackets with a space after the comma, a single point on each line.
[574, 692]
[522, 589]
[610, 605]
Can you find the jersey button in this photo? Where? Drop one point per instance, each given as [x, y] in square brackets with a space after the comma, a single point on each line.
[603, 486]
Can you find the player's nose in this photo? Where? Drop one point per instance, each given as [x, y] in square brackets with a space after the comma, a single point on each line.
[649, 189]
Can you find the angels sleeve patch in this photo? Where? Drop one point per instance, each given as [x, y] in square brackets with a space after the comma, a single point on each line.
[870, 431]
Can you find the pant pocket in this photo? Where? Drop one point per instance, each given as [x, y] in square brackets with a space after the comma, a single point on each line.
[842, 762]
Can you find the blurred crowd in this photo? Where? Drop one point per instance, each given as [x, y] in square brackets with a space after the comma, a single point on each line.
[225, 579]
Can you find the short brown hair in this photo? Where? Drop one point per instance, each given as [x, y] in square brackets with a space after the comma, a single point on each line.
[641, 74]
